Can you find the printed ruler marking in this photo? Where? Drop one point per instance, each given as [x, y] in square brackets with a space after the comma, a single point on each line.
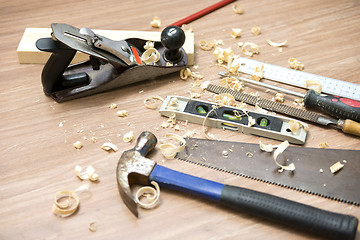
[298, 78]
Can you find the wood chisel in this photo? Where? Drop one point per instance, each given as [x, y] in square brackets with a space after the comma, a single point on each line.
[231, 118]
[347, 126]
[299, 78]
[335, 106]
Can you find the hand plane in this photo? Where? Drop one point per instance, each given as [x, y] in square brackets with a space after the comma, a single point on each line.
[111, 64]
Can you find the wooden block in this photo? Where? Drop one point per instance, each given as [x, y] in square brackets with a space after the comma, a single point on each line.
[28, 53]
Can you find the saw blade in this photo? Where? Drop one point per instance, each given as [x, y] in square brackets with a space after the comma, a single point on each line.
[312, 174]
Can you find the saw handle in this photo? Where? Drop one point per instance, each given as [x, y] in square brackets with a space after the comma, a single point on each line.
[343, 108]
[327, 224]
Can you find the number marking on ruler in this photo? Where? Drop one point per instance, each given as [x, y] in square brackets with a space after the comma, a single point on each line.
[298, 78]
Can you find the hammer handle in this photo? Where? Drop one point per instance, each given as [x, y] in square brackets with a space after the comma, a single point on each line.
[304, 217]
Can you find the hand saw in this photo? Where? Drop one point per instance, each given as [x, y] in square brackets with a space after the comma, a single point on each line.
[312, 173]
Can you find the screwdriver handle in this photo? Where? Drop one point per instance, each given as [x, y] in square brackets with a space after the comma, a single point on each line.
[335, 106]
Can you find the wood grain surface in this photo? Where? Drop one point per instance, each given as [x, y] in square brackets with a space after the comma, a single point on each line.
[38, 157]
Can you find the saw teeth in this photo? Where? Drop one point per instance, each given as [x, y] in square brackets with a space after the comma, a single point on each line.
[273, 183]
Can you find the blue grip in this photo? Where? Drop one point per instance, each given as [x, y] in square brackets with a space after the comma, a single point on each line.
[168, 178]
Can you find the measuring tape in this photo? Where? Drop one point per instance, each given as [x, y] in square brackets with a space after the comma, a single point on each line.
[298, 78]
[230, 118]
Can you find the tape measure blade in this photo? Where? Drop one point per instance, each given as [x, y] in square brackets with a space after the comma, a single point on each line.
[298, 78]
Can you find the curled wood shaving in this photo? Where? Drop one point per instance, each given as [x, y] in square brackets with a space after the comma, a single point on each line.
[152, 196]
[295, 64]
[150, 56]
[223, 55]
[156, 22]
[232, 83]
[314, 85]
[206, 46]
[205, 130]
[225, 99]
[129, 136]
[279, 97]
[274, 44]
[237, 9]
[152, 98]
[250, 49]
[113, 105]
[236, 32]
[280, 149]
[149, 44]
[294, 126]
[256, 30]
[258, 74]
[89, 173]
[78, 144]
[168, 149]
[93, 226]
[122, 113]
[185, 73]
[336, 167]
[69, 206]
[109, 146]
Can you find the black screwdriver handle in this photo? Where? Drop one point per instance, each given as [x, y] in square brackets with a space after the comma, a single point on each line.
[335, 106]
[293, 214]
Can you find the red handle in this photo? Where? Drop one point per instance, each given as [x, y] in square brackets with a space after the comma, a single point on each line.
[201, 13]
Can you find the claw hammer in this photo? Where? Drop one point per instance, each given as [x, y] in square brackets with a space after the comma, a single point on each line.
[134, 168]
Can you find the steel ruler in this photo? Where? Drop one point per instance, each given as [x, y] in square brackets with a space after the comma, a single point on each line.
[298, 78]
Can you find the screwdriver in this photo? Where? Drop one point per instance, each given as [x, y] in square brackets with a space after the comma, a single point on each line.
[335, 106]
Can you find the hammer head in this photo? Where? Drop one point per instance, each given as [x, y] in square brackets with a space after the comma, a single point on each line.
[134, 167]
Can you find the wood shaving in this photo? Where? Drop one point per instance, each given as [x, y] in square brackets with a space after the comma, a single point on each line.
[294, 126]
[89, 173]
[225, 99]
[122, 113]
[113, 106]
[279, 97]
[336, 167]
[194, 95]
[249, 49]
[295, 64]
[223, 55]
[236, 32]
[256, 30]
[324, 145]
[150, 56]
[280, 149]
[299, 102]
[232, 83]
[170, 122]
[94, 139]
[274, 44]
[149, 44]
[205, 130]
[258, 74]
[93, 226]
[237, 9]
[185, 73]
[156, 22]
[109, 146]
[69, 206]
[314, 85]
[251, 121]
[153, 99]
[207, 46]
[187, 29]
[260, 110]
[152, 196]
[168, 149]
[78, 144]
[128, 137]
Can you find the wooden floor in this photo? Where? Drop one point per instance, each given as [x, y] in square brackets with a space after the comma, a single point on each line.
[38, 157]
